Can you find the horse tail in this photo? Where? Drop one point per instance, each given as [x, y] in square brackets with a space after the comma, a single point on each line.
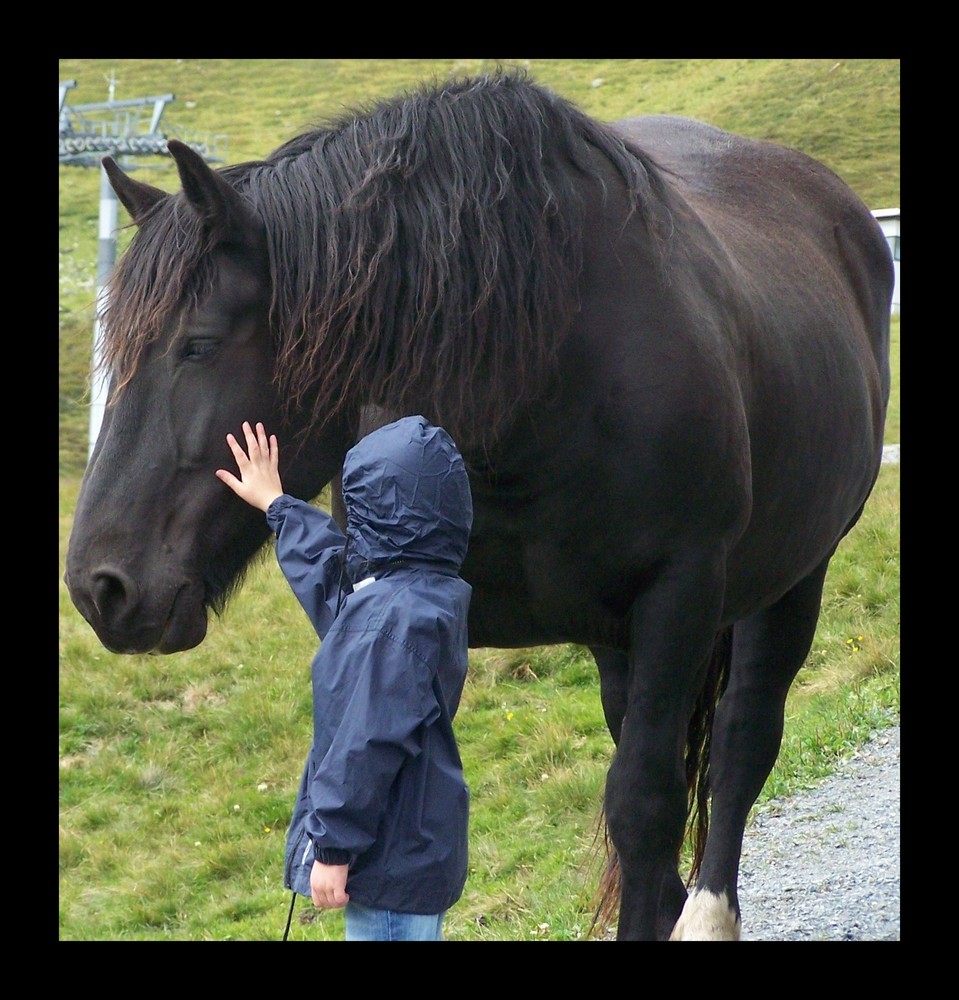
[607, 897]
[698, 746]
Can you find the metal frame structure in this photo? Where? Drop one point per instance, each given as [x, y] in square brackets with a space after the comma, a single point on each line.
[88, 132]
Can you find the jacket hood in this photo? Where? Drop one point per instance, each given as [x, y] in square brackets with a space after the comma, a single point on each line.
[407, 496]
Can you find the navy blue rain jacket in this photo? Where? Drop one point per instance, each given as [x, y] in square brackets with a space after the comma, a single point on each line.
[383, 788]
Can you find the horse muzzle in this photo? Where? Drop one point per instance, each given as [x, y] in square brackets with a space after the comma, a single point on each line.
[168, 620]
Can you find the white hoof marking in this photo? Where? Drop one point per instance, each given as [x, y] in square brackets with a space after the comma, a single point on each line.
[706, 917]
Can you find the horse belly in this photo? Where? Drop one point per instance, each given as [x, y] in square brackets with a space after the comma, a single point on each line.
[526, 592]
[568, 565]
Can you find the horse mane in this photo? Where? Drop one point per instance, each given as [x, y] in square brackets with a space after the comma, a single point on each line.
[424, 252]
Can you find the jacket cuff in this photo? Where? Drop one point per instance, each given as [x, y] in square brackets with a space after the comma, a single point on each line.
[276, 511]
[332, 856]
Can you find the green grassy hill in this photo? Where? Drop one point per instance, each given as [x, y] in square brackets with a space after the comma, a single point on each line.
[845, 112]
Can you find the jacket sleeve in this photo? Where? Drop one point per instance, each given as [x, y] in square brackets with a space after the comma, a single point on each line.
[391, 698]
[309, 544]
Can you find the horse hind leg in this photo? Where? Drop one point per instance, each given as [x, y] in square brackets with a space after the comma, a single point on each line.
[613, 666]
[768, 650]
[672, 630]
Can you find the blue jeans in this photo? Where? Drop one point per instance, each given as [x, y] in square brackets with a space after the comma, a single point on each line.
[365, 924]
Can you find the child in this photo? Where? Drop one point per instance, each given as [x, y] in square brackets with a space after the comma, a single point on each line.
[380, 821]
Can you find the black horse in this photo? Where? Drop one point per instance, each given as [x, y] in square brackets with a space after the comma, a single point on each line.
[662, 349]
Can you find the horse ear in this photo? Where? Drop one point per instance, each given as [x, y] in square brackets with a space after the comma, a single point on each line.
[221, 208]
[135, 196]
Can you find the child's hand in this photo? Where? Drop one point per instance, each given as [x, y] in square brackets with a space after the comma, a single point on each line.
[259, 483]
[328, 885]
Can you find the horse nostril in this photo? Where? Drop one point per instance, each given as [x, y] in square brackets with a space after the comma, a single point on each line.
[111, 593]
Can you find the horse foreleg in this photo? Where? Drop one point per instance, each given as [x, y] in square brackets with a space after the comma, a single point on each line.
[768, 650]
[672, 628]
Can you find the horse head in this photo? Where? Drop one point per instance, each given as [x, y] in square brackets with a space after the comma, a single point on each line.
[191, 356]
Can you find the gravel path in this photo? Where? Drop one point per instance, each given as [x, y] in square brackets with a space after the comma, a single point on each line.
[824, 865]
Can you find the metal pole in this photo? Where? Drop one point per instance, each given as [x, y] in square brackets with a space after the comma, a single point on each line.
[106, 256]
[83, 142]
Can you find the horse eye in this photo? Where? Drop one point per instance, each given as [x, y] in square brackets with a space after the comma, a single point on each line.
[196, 350]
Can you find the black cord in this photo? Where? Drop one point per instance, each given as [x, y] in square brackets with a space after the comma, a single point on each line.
[289, 917]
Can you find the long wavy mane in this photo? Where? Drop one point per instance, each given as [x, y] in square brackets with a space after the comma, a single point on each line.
[424, 252]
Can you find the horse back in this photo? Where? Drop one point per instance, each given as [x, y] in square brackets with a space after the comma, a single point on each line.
[745, 367]
[775, 210]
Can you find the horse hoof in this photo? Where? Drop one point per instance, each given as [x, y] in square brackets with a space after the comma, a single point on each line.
[707, 916]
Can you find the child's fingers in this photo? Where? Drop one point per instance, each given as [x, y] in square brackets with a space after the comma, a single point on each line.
[238, 453]
[268, 445]
[252, 443]
[227, 477]
[262, 440]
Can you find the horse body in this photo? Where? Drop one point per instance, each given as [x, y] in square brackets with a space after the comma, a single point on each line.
[690, 416]
[708, 428]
